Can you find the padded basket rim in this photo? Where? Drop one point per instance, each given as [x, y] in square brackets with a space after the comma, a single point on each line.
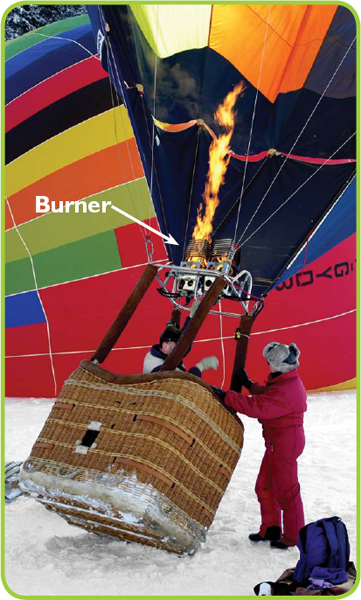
[149, 377]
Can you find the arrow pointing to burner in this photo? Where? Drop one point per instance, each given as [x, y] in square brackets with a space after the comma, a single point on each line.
[168, 239]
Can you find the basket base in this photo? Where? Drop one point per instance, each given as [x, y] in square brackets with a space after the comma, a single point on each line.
[116, 504]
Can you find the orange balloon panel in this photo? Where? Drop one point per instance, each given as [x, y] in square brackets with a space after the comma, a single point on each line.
[286, 40]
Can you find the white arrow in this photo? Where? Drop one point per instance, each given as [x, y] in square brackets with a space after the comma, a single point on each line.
[168, 239]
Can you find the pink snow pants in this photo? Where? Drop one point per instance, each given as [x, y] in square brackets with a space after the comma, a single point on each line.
[277, 487]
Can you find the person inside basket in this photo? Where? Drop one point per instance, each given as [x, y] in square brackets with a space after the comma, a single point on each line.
[158, 353]
[279, 406]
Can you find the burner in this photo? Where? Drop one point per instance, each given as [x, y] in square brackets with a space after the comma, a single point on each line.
[221, 249]
[198, 251]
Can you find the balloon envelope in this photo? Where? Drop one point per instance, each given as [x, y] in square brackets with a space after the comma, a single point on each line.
[293, 145]
[68, 137]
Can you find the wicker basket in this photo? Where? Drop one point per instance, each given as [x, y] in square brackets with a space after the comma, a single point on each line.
[145, 458]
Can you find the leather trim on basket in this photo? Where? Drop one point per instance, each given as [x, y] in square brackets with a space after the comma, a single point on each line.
[65, 405]
[144, 468]
[225, 473]
[167, 425]
[207, 513]
[100, 372]
[43, 445]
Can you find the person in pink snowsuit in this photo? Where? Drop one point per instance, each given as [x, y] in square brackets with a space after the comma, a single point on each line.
[279, 406]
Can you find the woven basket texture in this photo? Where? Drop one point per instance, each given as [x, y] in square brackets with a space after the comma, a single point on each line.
[171, 432]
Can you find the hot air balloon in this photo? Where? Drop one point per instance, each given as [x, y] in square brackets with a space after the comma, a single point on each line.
[287, 158]
[60, 107]
[244, 124]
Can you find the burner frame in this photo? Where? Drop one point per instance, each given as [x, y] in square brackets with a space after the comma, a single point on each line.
[238, 288]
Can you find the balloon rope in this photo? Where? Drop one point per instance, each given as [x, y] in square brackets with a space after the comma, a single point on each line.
[294, 144]
[251, 129]
[121, 162]
[38, 294]
[299, 187]
[222, 345]
[153, 165]
[153, 117]
[245, 189]
[205, 340]
[45, 287]
[190, 193]
[170, 248]
[117, 78]
[57, 37]
[340, 194]
[146, 237]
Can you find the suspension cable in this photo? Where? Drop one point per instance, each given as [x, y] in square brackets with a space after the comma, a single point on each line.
[154, 112]
[116, 78]
[251, 130]
[191, 192]
[52, 366]
[222, 345]
[118, 152]
[296, 141]
[299, 187]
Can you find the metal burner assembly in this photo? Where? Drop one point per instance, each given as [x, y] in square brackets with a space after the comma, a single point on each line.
[203, 263]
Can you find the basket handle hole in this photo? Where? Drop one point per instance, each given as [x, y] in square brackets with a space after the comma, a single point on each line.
[89, 437]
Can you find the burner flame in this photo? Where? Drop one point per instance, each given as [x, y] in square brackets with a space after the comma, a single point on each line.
[218, 163]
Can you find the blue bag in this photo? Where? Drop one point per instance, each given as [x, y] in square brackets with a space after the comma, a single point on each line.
[323, 543]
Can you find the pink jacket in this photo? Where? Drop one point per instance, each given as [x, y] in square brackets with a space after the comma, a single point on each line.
[279, 403]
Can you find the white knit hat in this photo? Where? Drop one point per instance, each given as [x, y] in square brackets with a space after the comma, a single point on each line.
[281, 357]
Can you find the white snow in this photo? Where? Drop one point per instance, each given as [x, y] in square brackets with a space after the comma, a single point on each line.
[46, 556]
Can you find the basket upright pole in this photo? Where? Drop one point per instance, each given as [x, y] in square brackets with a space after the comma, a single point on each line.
[176, 317]
[125, 314]
[243, 335]
[191, 330]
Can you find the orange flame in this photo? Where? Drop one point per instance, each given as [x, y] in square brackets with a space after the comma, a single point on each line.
[218, 163]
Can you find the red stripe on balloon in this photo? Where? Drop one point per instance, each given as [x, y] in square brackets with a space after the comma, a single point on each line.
[31, 376]
[49, 91]
[131, 245]
[307, 159]
[80, 313]
[320, 161]
[28, 339]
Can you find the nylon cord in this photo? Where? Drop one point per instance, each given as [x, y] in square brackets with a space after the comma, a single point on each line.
[38, 294]
[190, 193]
[120, 160]
[222, 344]
[170, 247]
[153, 169]
[57, 37]
[154, 112]
[294, 144]
[299, 187]
[205, 340]
[117, 78]
[251, 130]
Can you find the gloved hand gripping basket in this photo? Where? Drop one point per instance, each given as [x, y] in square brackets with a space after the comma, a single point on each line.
[144, 458]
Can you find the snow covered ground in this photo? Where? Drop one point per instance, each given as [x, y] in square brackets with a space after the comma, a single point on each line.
[45, 556]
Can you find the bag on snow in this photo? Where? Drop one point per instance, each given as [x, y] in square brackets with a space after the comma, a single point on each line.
[286, 586]
[323, 543]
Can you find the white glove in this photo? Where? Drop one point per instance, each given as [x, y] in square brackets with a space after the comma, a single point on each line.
[210, 362]
[195, 305]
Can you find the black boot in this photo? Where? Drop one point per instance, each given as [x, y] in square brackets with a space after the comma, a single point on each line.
[272, 534]
[278, 544]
